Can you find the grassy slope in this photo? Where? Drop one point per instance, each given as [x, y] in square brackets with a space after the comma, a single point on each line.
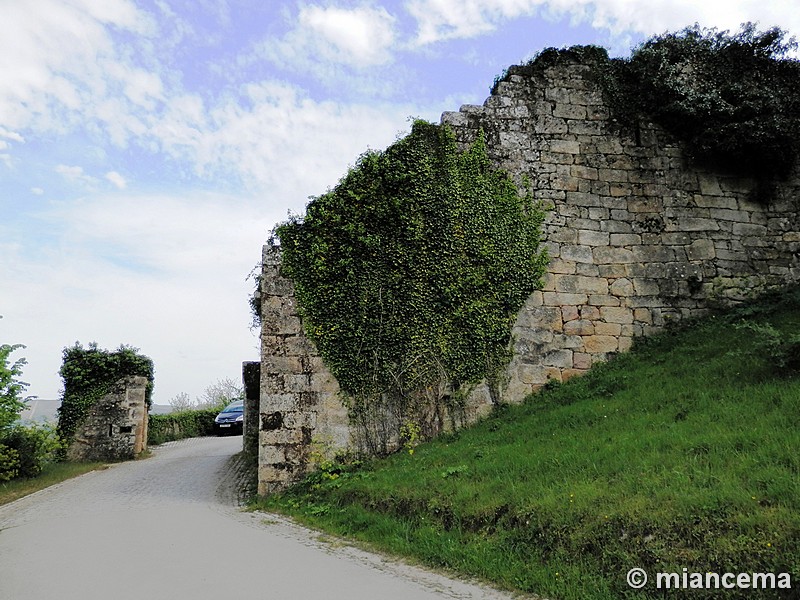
[682, 453]
[53, 473]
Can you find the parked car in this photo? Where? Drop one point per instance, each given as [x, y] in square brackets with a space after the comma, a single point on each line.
[231, 419]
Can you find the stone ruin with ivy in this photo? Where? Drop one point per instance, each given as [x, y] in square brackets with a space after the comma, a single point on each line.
[637, 236]
[106, 399]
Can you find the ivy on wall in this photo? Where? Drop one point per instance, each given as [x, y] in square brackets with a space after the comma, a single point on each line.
[409, 274]
[733, 100]
[90, 373]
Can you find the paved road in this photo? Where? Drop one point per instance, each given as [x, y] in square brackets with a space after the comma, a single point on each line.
[167, 528]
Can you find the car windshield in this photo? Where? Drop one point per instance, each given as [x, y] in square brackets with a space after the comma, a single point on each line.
[235, 407]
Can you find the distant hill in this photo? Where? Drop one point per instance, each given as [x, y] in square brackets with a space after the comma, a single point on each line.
[46, 411]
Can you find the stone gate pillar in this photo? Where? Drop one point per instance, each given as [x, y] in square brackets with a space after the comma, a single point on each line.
[301, 416]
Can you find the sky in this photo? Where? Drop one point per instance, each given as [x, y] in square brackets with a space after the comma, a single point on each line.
[148, 147]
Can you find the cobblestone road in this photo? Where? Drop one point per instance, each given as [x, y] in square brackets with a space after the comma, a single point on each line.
[168, 528]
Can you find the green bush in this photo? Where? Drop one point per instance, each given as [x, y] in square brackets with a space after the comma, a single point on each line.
[181, 424]
[9, 463]
[35, 444]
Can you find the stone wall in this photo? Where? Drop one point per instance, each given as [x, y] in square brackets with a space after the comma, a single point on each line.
[115, 427]
[636, 237]
[251, 380]
[301, 417]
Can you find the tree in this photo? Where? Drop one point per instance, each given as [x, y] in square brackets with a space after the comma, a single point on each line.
[220, 394]
[11, 388]
[181, 401]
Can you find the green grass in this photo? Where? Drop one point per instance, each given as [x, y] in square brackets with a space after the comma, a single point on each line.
[684, 452]
[53, 473]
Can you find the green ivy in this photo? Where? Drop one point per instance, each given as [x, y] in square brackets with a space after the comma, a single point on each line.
[410, 272]
[89, 374]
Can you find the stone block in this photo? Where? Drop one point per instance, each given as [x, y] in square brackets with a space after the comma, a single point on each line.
[749, 229]
[614, 176]
[675, 239]
[558, 358]
[600, 344]
[587, 270]
[581, 360]
[272, 402]
[642, 315]
[562, 299]
[577, 284]
[612, 271]
[569, 313]
[621, 287]
[591, 313]
[568, 342]
[565, 267]
[579, 327]
[601, 328]
[272, 363]
[645, 287]
[578, 254]
[639, 205]
[653, 254]
[592, 238]
[625, 239]
[701, 250]
[280, 436]
[565, 146]
[582, 172]
[570, 111]
[616, 314]
[544, 317]
[604, 300]
[608, 255]
[537, 375]
[693, 224]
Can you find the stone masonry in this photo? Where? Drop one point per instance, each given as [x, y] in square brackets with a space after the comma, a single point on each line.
[115, 427]
[302, 417]
[636, 238]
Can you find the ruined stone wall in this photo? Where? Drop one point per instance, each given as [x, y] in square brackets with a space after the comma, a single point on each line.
[636, 238]
[635, 235]
[115, 427]
[302, 417]
[251, 380]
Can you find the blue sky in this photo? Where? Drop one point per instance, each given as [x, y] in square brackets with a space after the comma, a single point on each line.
[147, 147]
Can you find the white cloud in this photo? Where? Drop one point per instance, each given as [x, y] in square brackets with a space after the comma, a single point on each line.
[163, 273]
[439, 20]
[75, 174]
[276, 138]
[360, 37]
[37, 191]
[117, 179]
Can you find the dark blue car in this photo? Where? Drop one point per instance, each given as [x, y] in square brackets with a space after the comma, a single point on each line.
[231, 419]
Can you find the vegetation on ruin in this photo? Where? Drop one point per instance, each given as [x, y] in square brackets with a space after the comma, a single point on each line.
[409, 274]
[92, 372]
[679, 454]
[732, 99]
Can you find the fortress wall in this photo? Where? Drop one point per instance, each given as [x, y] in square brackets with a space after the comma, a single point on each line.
[636, 236]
